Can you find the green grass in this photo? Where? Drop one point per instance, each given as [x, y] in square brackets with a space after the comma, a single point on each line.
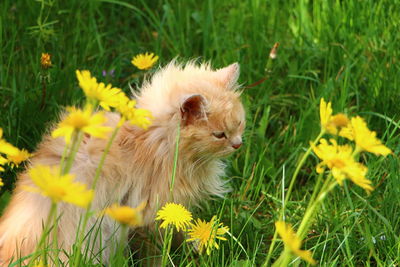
[344, 51]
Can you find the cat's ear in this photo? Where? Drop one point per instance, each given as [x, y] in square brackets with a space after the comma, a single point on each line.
[229, 75]
[192, 109]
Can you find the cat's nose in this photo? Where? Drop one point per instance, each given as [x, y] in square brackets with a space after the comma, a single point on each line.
[237, 145]
[236, 142]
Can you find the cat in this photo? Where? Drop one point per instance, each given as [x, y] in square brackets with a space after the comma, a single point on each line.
[204, 102]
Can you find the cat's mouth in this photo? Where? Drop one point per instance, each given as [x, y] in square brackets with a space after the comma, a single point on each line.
[226, 152]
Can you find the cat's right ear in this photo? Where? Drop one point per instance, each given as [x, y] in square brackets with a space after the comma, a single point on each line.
[229, 75]
[193, 109]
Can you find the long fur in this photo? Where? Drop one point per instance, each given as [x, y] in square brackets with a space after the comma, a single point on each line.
[139, 165]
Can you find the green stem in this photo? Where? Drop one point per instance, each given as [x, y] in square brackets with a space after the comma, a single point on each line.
[64, 154]
[103, 157]
[55, 238]
[78, 136]
[317, 189]
[297, 170]
[311, 211]
[120, 259]
[95, 180]
[40, 248]
[294, 177]
[176, 154]
[167, 245]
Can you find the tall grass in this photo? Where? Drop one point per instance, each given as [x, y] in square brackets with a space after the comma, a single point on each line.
[344, 51]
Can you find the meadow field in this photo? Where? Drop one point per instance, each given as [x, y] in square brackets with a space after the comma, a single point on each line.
[346, 52]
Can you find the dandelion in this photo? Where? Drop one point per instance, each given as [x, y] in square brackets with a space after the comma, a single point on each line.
[3, 161]
[81, 120]
[363, 137]
[1, 182]
[174, 214]
[340, 160]
[17, 159]
[144, 61]
[6, 148]
[207, 233]
[45, 60]
[328, 122]
[58, 187]
[126, 215]
[39, 264]
[293, 242]
[136, 116]
[106, 95]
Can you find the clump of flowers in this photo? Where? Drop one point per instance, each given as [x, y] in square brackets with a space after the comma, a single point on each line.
[341, 159]
[176, 215]
[50, 183]
[205, 234]
[144, 61]
[126, 215]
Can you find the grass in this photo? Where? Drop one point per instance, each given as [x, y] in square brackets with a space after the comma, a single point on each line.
[344, 51]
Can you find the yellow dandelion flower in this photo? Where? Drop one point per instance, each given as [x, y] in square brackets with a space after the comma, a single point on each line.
[1, 182]
[15, 160]
[330, 123]
[136, 116]
[293, 242]
[364, 138]
[3, 161]
[45, 60]
[144, 61]
[325, 112]
[340, 160]
[126, 215]
[39, 264]
[176, 215]
[7, 148]
[206, 234]
[58, 187]
[81, 120]
[107, 95]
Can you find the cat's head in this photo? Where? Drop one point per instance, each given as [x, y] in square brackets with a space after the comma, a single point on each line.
[204, 101]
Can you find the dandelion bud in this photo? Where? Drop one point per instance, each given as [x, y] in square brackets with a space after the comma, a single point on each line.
[45, 60]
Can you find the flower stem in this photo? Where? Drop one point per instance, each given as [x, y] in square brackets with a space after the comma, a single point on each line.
[78, 136]
[329, 184]
[95, 180]
[176, 153]
[103, 157]
[41, 246]
[294, 177]
[167, 245]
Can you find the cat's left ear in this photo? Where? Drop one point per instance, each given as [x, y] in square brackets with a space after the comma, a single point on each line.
[229, 75]
[193, 109]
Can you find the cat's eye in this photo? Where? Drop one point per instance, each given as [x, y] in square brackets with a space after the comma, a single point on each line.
[219, 135]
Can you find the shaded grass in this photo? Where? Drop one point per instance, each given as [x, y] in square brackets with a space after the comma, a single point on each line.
[345, 51]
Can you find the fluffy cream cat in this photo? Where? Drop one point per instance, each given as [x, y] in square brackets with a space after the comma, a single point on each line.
[139, 166]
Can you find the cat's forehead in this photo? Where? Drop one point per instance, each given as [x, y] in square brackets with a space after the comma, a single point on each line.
[228, 113]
